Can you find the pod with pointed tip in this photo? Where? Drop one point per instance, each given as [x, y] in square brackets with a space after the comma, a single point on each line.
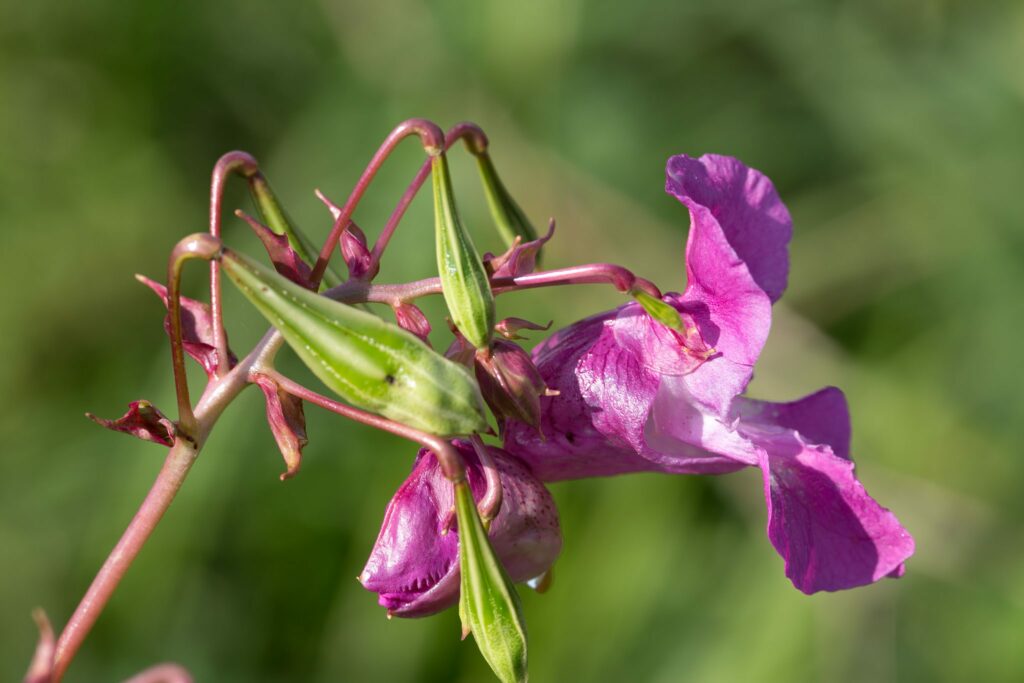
[489, 606]
[464, 282]
[370, 363]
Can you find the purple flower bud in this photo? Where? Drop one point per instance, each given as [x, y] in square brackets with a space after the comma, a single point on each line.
[285, 259]
[356, 253]
[414, 566]
[509, 382]
[411, 318]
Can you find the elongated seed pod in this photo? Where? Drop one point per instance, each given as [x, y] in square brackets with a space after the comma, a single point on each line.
[467, 291]
[370, 363]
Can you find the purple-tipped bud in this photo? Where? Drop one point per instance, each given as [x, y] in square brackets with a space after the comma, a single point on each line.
[411, 318]
[356, 253]
[414, 566]
[196, 328]
[287, 422]
[509, 382]
[143, 420]
[285, 259]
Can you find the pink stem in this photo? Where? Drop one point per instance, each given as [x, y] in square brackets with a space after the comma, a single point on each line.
[490, 505]
[245, 165]
[592, 273]
[176, 466]
[595, 273]
[447, 456]
[199, 245]
[218, 394]
[476, 142]
[433, 142]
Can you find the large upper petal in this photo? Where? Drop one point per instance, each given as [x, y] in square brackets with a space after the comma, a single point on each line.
[737, 263]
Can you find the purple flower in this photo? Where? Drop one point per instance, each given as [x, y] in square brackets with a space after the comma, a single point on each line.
[637, 396]
[414, 565]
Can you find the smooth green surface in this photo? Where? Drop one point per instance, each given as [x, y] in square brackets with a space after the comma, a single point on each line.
[489, 607]
[372, 364]
[467, 291]
[893, 132]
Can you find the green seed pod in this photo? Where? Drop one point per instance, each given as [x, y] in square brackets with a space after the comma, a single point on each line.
[464, 282]
[489, 606]
[508, 217]
[372, 364]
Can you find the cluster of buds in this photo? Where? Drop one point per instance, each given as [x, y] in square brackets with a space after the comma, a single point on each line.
[654, 385]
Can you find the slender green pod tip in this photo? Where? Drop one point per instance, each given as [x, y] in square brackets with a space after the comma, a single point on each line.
[464, 282]
[489, 606]
[373, 364]
[509, 218]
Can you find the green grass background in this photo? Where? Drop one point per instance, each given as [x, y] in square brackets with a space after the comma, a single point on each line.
[894, 131]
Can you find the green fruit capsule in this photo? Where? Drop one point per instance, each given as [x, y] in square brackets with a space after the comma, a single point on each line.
[467, 290]
[370, 363]
[508, 217]
[489, 606]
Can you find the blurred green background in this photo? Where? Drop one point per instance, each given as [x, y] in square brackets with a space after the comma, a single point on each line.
[893, 130]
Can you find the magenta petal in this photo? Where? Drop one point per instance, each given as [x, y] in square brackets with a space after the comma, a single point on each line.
[822, 417]
[594, 426]
[414, 563]
[830, 532]
[744, 202]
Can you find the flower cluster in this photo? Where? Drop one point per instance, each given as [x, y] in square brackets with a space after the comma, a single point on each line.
[629, 394]
[656, 385]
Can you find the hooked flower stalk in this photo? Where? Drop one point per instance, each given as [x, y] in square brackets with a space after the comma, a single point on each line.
[655, 385]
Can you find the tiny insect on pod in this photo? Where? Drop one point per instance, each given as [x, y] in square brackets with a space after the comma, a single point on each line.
[371, 363]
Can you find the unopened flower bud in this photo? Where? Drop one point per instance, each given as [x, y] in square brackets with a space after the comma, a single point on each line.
[411, 318]
[467, 290]
[356, 253]
[510, 382]
[370, 363]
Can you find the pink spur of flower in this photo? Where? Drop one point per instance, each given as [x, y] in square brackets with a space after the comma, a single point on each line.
[634, 395]
[414, 565]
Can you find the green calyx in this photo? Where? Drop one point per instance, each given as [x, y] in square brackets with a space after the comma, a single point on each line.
[467, 290]
[373, 364]
[489, 606]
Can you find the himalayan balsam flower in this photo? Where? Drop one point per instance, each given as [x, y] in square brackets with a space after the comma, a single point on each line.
[414, 565]
[637, 396]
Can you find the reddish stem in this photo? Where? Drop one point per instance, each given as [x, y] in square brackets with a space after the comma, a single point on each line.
[450, 460]
[245, 165]
[433, 142]
[476, 143]
[199, 245]
[176, 466]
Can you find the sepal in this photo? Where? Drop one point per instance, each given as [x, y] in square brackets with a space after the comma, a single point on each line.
[143, 420]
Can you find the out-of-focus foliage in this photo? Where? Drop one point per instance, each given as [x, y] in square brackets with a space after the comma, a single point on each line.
[894, 131]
